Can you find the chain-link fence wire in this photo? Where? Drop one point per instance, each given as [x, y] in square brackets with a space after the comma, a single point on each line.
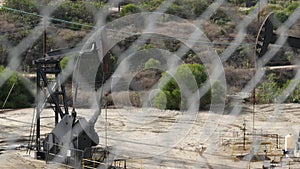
[192, 36]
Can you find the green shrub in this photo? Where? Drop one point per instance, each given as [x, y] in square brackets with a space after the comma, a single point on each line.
[20, 97]
[26, 20]
[79, 11]
[268, 90]
[172, 97]
[25, 5]
[3, 54]
[217, 93]
[181, 8]
[188, 9]
[199, 6]
[272, 87]
[147, 46]
[292, 7]
[153, 63]
[294, 96]
[63, 63]
[220, 17]
[129, 9]
[283, 14]
[150, 5]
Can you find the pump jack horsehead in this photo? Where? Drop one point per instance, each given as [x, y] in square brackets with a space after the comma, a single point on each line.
[266, 36]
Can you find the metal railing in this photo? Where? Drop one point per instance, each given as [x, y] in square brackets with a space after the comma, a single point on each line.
[92, 164]
[59, 154]
[117, 163]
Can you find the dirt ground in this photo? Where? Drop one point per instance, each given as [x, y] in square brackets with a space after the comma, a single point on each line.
[150, 138]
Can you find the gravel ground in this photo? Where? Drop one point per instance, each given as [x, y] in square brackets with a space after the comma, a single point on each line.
[163, 139]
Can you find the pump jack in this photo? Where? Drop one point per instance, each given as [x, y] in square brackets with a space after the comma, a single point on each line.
[70, 132]
[73, 137]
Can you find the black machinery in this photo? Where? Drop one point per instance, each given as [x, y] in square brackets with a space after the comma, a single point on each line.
[73, 138]
[70, 132]
[266, 36]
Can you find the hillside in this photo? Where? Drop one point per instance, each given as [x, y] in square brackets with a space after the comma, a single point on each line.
[69, 27]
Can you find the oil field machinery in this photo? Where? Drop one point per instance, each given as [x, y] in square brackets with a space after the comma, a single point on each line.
[267, 36]
[73, 138]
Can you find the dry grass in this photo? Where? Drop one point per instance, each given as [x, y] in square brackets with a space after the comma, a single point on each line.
[124, 98]
[237, 78]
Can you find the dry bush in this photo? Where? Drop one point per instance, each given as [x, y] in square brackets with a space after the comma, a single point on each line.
[70, 36]
[147, 78]
[125, 98]
[237, 78]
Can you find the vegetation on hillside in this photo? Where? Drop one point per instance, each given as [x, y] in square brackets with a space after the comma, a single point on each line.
[273, 88]
[72, 20]
[188, 78]
[129, 9]
[153, 64]
[15, 92]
